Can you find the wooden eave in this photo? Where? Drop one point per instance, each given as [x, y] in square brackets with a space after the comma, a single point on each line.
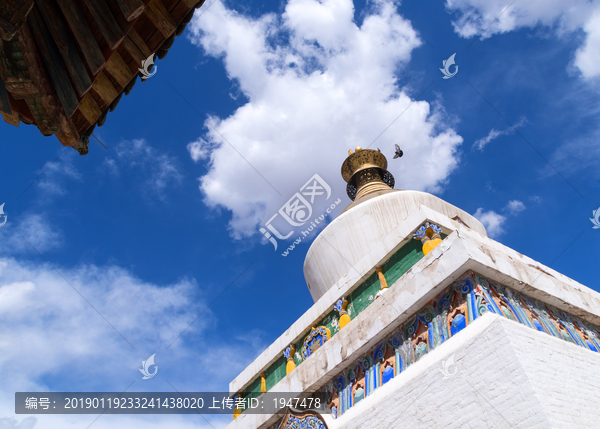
[64, 64]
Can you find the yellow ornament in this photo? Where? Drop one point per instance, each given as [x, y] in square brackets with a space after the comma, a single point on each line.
[340, 307]
[289, 355]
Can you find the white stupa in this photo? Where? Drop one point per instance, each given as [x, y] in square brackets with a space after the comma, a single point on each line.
[422, 321]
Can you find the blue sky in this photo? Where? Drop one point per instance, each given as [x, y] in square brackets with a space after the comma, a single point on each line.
[253, 100]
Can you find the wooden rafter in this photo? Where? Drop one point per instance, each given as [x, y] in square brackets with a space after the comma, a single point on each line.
[64, 64]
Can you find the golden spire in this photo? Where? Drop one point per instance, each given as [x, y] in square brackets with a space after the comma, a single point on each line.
[365, 171]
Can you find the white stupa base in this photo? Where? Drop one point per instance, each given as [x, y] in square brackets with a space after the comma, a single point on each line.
[506, 375]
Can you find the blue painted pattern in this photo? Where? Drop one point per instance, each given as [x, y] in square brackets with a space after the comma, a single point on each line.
[445, 316]
[304, 422]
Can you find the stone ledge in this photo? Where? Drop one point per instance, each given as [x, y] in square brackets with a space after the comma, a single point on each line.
[393, 242]
[504, 379]
[460, 252]
[520, 272]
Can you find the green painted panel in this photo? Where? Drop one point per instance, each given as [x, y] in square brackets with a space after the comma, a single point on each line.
[363, 295]
[359, 299]
[407, 256]
[275, 373]
[254, 388]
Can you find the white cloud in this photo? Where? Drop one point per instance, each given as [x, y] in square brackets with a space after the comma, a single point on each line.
[485, 18]
[40, 305]
[26, 423]
[51, 339]
[111, 165]
[515, 206]
[20, 234]
[492, 221]
[587, 56]
[318, 84]
[576, 155]
[495, 222]
[198, 149]
[160, 169]
[54, 173]
[493, 134]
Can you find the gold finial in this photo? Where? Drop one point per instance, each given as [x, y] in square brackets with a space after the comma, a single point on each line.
[349, 151]
[365, 171]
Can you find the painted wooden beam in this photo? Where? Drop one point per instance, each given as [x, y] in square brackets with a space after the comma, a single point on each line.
[119, 69]
[164, 48]
[7, 28]
[133, 49]
[139, 42]
[15, 78]
[131, 8]
[66, 45]
[4, 101]
[90, 109]
[160, 17]
[115, 102]
[184, 22]
[91, 51]
[63, 128]
[105, 88]
[12, 118]
[43, 109]
[102, 118]
[130, 85]
[53, 62]
[12, 16]
[106, 22]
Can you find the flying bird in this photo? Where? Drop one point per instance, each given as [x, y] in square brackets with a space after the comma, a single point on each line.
[398, 152]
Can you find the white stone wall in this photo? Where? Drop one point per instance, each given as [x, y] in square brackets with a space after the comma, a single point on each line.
[507, 376]
[565, 378]
[357, 240]
[461, 251]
